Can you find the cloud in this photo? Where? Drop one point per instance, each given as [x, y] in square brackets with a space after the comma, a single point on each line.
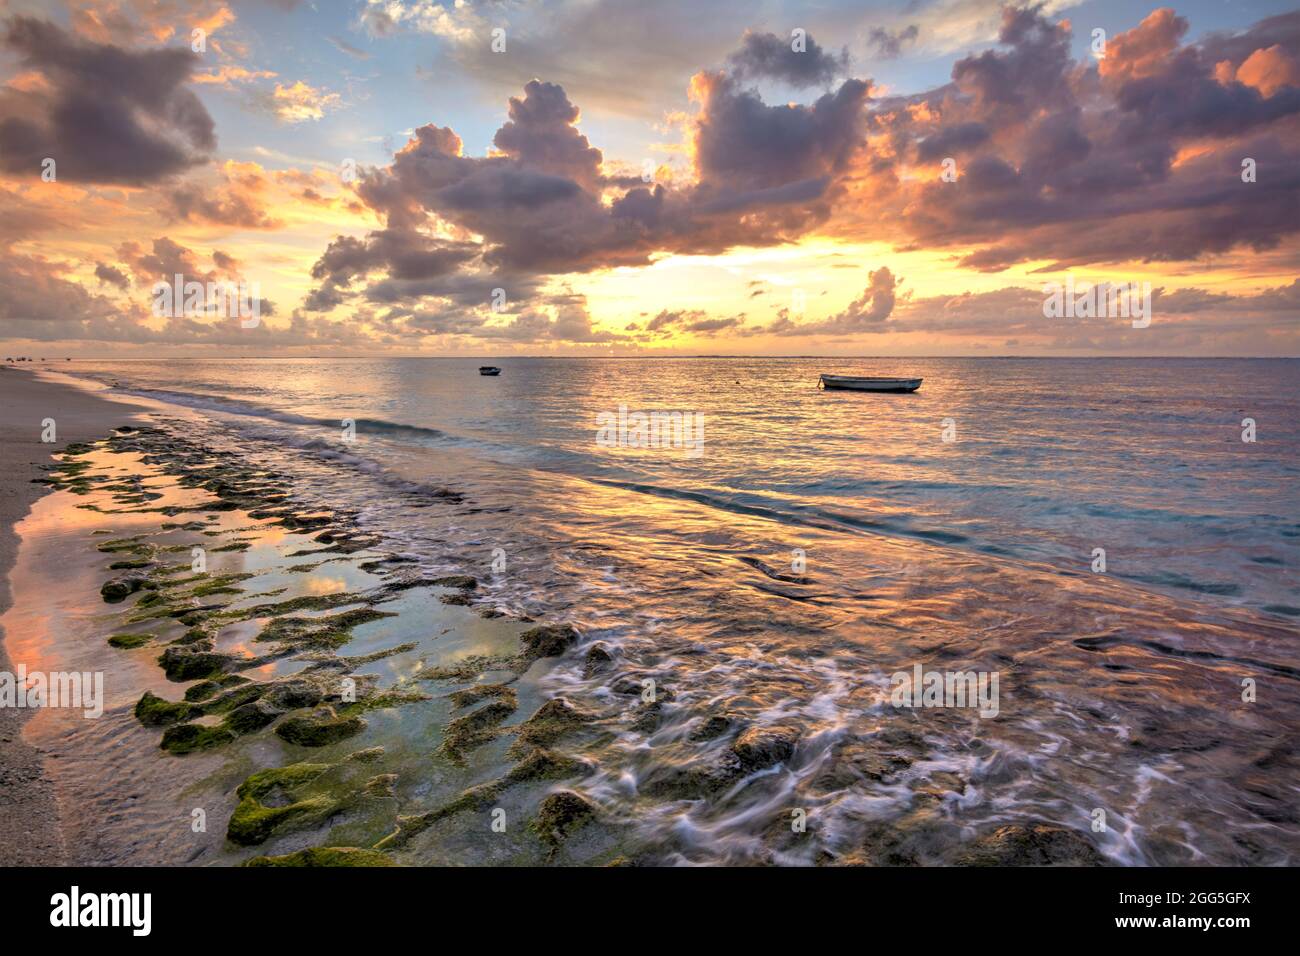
[343, 46]
[299, 102]
[1137, 158]
[129, 21]
[112, 276]
[239, 199]
[541, 205]
[229, 75]
[889, 45]
[768, 56]
[864, 314]
[107, 115]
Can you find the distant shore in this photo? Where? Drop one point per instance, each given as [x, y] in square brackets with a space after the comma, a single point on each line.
[29, 818]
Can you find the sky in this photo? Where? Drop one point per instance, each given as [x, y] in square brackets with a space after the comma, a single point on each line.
[649, 177]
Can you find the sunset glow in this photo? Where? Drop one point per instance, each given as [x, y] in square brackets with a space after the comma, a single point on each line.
[854, 179]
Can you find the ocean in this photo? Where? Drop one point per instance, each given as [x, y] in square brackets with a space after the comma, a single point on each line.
[1095, 532]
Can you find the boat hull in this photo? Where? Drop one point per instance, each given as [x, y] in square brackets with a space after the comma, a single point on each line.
[853, 383]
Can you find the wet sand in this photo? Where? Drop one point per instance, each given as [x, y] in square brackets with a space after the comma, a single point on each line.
[29, 831]
[278, 747]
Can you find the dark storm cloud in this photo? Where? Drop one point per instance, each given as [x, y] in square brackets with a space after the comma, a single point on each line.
[110, 115]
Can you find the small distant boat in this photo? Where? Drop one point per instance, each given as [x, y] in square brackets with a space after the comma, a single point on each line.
[489, 370]
[868, 383]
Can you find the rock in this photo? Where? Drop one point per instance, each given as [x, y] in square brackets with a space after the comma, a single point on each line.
[322, 726]
[154, 711]
[1036, 844]
[598, 659]
[711, 728]
[187, 738]
[701, 778]
[561, 813]
[251, 716]
[253, 821]
[183, 663]
[122, 586]
[461, 581]
[475, 728]
[542, 764]
[327, 856]
[553, 720]
[133, 564]
[548, 640]
[381, 785]
[208, 688]
[293, 694]
[761, 747]
[128, 641]
[648, 718]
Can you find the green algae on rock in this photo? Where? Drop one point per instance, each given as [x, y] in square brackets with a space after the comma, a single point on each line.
[128, 641]
[327, 856]
[321, 726]
[254, 822]
[560, 813]
[154, 711]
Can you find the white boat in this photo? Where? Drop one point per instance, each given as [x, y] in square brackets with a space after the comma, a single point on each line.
[868, 383]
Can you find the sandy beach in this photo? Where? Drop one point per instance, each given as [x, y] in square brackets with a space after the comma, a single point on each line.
[29, 832]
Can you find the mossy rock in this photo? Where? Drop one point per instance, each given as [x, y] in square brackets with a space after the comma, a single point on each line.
[548, 640]
[253, 822]
[327, 856]
[553, 720]
[560, 814]
[187, 738]
[320, 727]
[761, 747]
[598, 659]
[119, 588]
[1037, 844]
[475, 728]
[132, 564]
[461, 582]
[209, 688]
[128, 641]
[184, 664]
[153, 711]
[249, 717]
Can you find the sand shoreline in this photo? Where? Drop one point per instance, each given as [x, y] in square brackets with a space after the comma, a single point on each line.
[29, 819]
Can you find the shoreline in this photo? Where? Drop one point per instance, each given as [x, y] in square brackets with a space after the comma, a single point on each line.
[30, 834]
